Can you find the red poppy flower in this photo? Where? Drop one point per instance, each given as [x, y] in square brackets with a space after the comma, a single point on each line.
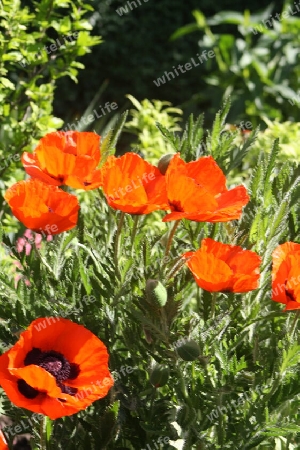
[221, 267]
[57, 368]
[3, 443]
[197, 191]
[66, 157]
[286, 275]
[42, 207]
[134, 186]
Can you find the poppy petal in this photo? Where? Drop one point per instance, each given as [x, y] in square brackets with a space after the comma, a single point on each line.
[197, 191]
[57, 368]
[222, 267]
[43, 207]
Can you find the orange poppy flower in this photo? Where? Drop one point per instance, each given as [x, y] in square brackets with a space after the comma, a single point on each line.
[134, 186]
[57, 368]
[42, 207]
[66, 157]
[3, 443]
[221, 267]
[286, 275]
[197, 191]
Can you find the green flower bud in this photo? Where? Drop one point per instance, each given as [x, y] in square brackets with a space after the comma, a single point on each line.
[156, 293]
[159, 375]
[186, 416]
[188, 350]
[164, 162]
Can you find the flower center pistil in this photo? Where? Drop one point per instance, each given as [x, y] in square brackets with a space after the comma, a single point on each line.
[56, 364]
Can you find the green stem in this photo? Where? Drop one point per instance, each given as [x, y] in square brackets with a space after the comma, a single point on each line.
[169, 243]
[116, 252]
[177, 266]
[213, 304]
[294, 323]
[134, 229]
[43, 433]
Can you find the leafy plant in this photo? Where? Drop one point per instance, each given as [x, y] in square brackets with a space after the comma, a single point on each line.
[38, 45]
[220, 370]
[258, 68]
[144, 125]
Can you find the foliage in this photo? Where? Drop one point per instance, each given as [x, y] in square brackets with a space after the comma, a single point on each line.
[256, 63]
[143, 124]
[38, 45]
[243, 390]
[288, 134]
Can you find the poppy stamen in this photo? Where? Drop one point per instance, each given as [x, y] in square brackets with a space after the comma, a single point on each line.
[288, 292]
[26, 390]
[56, 364]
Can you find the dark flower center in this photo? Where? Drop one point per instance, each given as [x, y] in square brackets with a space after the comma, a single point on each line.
[56, 364]
[176, 206]
[288, 292]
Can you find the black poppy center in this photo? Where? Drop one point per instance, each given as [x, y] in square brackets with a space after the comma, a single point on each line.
[288, 292]
[56, 364]
[176, 206]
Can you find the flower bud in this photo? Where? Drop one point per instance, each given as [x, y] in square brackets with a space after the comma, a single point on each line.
[159, 375]
[164, 162]
[189, 350]
[156, 293]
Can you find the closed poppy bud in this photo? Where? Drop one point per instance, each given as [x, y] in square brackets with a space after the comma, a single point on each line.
[156, 293]
[188, 350]
[159, 375]
[186, 416]
[164, 162]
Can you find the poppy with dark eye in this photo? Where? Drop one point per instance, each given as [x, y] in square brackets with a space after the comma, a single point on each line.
[57, 368]
[197, 191]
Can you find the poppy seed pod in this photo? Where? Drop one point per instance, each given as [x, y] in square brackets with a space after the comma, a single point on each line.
[156, 293]
[159, 375]
[164, 162]
[188, 350]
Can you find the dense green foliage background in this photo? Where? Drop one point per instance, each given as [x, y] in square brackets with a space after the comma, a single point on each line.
[248, 349]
